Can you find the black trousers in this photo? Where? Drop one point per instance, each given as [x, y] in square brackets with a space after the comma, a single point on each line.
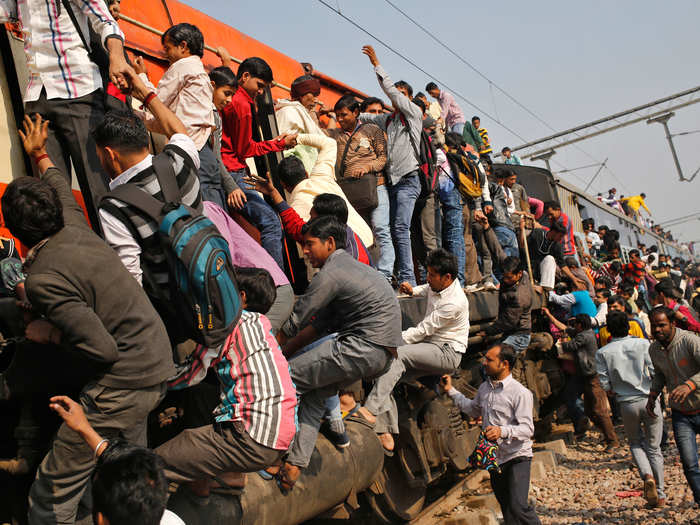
[511, 488]
[70, 141]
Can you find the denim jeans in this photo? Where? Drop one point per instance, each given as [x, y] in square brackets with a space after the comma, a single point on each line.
[509, 244]
[382, 233]
[518, 341]
[453, 228]
[402, 200]
[263, 217]
[685, 430]
[210, 178]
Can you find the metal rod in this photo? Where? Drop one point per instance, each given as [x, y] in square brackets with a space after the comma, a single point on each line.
[158, 32]
[596, 175]
[663, 120]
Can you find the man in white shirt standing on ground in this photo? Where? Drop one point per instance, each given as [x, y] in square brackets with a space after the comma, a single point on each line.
[434, 347]
[505, 407]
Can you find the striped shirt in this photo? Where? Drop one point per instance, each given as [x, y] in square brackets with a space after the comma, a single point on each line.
[486, 148]
[256, 388]
[56, 57]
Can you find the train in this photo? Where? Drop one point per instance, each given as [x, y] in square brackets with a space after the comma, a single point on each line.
[434, 440]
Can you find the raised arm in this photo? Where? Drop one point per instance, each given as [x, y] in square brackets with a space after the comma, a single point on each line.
[168, 123]
[327, 153]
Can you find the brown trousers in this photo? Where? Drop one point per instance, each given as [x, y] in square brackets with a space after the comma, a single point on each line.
[472, 275]
[205, 452]
[595, 405]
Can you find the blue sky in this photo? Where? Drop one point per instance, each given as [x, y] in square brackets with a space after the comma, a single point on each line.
[568, 62]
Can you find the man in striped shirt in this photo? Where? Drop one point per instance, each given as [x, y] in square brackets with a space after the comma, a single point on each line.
[65, 86]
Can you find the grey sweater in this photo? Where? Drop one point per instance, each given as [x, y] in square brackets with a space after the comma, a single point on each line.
[401, 157]
[676, 364]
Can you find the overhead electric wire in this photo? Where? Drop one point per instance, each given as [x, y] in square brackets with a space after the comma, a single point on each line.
[419, 68]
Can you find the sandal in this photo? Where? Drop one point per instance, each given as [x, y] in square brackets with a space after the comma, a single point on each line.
[352, 411]
[284, 482]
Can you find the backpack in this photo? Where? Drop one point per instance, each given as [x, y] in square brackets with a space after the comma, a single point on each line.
[470, 180]
[427, 158]
[204, 296]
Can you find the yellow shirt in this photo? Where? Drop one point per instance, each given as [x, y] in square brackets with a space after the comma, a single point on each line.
[635, 331]
[635, 203]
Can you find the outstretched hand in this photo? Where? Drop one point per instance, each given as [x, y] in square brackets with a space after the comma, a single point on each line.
[369, 51]
[262, 184]
[139, 90]
[71, 413]
[35, 135]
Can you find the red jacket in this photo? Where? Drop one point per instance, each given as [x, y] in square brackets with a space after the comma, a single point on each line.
[293, 223]
[237, 137]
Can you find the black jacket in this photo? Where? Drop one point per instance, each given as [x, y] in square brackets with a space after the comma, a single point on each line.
[584, 347]
[499, 216]
[514, 306]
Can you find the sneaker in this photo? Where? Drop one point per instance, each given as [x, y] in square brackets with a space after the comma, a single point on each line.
[340, 440]
[650, 493]
[471, 288]
[612, 447]
[489, 285]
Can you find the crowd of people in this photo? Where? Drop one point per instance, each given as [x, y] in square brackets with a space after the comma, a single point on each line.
[103, 303]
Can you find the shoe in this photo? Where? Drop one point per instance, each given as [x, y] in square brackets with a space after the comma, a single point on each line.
[471, 288]
[582, 426]
[612, 447]
[489, 285]
[650, 493]
[340, 440]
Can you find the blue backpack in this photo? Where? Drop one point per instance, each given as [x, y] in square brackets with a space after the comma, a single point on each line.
[203, 291]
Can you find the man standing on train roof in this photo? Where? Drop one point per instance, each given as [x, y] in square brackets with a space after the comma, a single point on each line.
[451, 114]
[505, 407]
[634, 203]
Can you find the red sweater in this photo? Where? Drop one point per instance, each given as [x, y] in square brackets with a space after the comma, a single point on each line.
[237, 137]
[293, 223]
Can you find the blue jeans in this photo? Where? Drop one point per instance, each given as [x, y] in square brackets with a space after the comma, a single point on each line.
[453, 228]
[518, 341]
[685, 430]
[333, 412]
[382, 233]
[210, 178]
[402, 200]
[263, 217]
[509, 243]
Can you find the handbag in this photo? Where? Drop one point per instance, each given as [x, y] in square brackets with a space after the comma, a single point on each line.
[362, 191]
[484, 455]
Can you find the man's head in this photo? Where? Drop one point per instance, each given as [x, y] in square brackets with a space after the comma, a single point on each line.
[442, 269]
[128, 486]
[476, 122]
[372, 105]
[181, 41]
[291, 172]
[601, 296]
[510, 179]
[627, 291]
[602, 283]
[115, 8]
[306, 90]
[556, 232]
[257, 289]
[570, 262]
[588, 225]
[580, 323]
[224, 83]
[602, 230]
[506, 152]
[329, 204]
[31, 210]
[618, 324]
[499, 361]
[321, 237]
[422, 105]
[616, 303]
[662, 327]
[433, 90]
[634, 255]
[512, 270]
[404, 88]
[664, 291]
[346, 110]
[614, 251]
[122, 141]
[643, 195]
[552, 209]
[421, 96]
[254, 75]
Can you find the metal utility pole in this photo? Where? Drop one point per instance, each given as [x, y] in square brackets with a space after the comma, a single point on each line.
[602, 165]
[545, 156]
[663, 120]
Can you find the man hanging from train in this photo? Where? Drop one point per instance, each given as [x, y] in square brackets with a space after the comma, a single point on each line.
[433, 347]
[356, 307]
[66, 86]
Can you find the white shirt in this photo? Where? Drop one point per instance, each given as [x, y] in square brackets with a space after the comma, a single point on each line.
[446, 318]
[56, 57]
[510, 202]
[601, 316]
[116, 233]
[595, 239]
[170, 518]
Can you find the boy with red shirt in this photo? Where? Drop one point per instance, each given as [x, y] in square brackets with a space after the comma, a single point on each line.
[633, 270]
[237, 144]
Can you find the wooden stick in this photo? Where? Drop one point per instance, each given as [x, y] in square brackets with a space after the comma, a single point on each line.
[527, 251]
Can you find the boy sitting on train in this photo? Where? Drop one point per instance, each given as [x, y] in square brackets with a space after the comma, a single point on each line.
[434, 347]
[358, 308]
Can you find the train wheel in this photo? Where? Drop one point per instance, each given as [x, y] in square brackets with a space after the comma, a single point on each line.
[392, 499]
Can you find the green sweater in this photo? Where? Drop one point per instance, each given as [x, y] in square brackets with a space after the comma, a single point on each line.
[471, 136]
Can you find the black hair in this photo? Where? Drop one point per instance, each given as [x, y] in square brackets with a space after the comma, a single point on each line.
[627, 288]
[571, 262]
[557, 227]
[505, 149]
[259, 288]
[405, 85]
[584, 320]
[420, 94]
[443, 262]
[664, 286]
[605, 281]
[223, 76]
[256, 67]
[430, 86]
[454, 140]
[325, 227]
[616, 266]
[368, 102]
[31, 210]
[187, 33]
[603, 227]
[509, 354]
[347, 101]
[418, 102]
[122, 131]
[634, 252]
[616, 299]
[605, 293]
[651, 258]
[331, 204]
[643, 195]
[291, 171]
[512, 264]
[618, 324]
[662, 310]
[552, 205]
[129, 486]
[476, 117]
